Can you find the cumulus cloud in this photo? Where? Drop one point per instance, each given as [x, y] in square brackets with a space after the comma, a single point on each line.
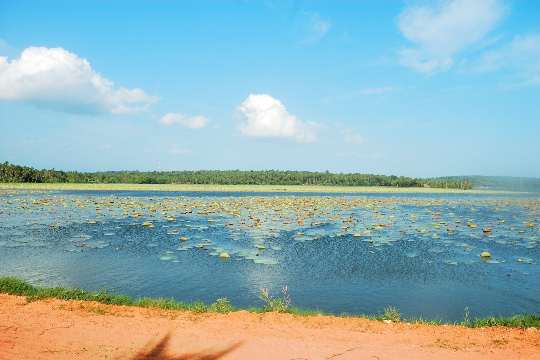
[266, 117]
[521, 57]
[58, 79]
[192, 122]
[441, 32]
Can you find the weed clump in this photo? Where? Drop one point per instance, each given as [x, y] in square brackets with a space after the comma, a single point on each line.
[221, 305]
[13, 286]
[391, 313]
[275, 304]
[198, 307]
[518, 321]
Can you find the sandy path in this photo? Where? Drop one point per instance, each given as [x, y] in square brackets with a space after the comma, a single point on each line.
[56, 329]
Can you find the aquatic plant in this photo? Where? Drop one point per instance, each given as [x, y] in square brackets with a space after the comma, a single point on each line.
[263, 230]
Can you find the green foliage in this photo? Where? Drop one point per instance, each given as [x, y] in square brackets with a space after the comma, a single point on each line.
[221, 305]
[10, 173]
[277, 304]
[15, 286]
[508, 183]
[304, 312]
[466, 316]
[161, 303]
[391, 313]
[198, 307]
[517, 321]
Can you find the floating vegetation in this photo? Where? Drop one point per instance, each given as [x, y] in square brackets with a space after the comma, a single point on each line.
[259, 228]
[362, 243]
[485, 255]
[168, 256]
[524, 260]
[148, 224]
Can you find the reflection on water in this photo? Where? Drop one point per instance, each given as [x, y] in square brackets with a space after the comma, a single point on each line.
[338, 253]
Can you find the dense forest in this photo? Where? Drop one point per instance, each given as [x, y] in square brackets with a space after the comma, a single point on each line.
[15, 173]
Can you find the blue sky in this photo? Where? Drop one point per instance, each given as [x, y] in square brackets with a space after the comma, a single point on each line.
[417, 88]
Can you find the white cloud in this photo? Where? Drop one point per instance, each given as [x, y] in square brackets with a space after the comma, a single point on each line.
[319, 27]
[351, 137]
[441, 32]
[521, 57]
[58, 79]
[315, 27]
[266, 117]
[192, 122]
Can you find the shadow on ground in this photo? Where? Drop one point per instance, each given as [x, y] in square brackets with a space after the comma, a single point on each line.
[160, 352]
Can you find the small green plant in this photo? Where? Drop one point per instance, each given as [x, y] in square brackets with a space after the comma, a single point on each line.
[198, 307]
[161, 303]
[466, 317]
[221, 305]
[520, 321]
[391, 313]
[271, 303]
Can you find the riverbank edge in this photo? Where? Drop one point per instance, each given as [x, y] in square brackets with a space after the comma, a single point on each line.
[15, 286]
[243, 188]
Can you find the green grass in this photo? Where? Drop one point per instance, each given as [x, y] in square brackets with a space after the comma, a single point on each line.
[517, 321]
[221, 305]
[391, 313]
[16, 286]
[277, 304]
[235, 188]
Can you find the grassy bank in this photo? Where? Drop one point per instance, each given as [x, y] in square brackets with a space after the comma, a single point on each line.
[238, 188]
[15, 286]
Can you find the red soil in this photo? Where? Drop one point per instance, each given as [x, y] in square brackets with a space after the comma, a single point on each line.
[55, 329]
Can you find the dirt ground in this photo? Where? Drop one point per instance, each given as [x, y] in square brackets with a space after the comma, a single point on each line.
[55, 329]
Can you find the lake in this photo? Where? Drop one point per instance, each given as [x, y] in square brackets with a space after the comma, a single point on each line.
[339, 253]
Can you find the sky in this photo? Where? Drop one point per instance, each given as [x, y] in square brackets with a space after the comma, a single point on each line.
[412, 88]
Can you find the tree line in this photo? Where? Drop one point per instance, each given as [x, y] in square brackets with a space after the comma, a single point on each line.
[16, 173]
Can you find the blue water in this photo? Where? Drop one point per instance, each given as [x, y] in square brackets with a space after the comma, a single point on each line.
[339, 253]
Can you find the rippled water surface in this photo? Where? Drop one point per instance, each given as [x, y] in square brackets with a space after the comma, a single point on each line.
[338, 253]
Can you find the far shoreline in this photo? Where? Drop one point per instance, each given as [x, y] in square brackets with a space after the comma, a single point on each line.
[246, 188]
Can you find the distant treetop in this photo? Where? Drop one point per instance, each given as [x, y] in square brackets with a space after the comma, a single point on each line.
[10, 173]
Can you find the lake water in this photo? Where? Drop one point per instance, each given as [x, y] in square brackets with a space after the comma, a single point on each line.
[339, 253]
